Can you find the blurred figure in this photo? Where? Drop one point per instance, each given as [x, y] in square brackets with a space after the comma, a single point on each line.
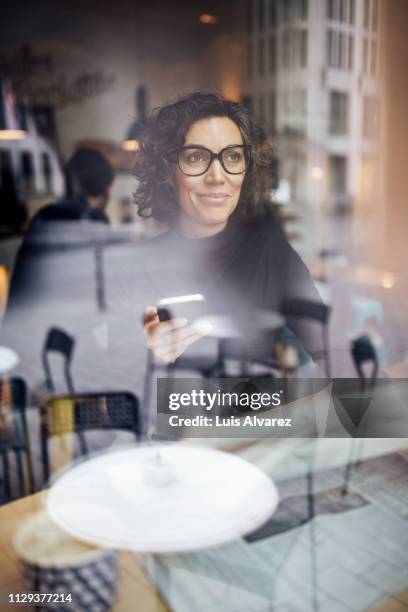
[89, 179]
[60, 227]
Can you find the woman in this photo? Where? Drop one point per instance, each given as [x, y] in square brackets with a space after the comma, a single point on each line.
[201, 171]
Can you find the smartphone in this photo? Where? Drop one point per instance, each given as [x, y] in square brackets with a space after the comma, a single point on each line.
[190, 307]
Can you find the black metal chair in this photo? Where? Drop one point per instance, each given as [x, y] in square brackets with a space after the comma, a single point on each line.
[297, 309]
[362, 351]
[58, 341]
[81, 412]
[14, 438]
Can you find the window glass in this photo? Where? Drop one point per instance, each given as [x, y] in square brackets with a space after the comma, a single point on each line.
[351, 11]
[27, 171]
[343, 8]
[329, 9]
[272, 13]
[47, 174]
[351, 52]
[272, 54]
[286, 49]
[366, 14]
[338, 124]
[365, 55]
[329, 47]
[261, 15]
[340, 50]
[250, 17]
[285, 10]
[303, 49]
[272, 110]
[261, 59]
[370, 117]
[338, 174]
[374, 15]
[250, 60]
[373, 58]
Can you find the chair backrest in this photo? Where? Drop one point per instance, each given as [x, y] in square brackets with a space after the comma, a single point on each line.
[77, 413]
[14, 433]
[307, 309]
[363, 350]
[13, 423]
[13, 392]
[57, 340]
[311, 311]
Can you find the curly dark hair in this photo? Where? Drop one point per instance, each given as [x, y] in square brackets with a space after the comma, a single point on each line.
[164, 133]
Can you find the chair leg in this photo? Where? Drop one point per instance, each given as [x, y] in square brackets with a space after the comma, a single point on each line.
[83, 443]
[45, 457]
[310, 494]
[147, 386]
[327, 352]
[48, 378]
[28, 458]
[68, 378]
[20, 471]
[6, 474]
[348, 470]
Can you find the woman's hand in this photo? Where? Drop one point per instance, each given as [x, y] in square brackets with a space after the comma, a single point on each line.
[169, 339]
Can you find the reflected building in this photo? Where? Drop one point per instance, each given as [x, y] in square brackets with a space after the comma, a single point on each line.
[313, 73]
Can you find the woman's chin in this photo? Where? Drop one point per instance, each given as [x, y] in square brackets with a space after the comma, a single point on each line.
[215, 216]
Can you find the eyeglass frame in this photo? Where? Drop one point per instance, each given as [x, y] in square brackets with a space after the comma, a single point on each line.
[246, 147]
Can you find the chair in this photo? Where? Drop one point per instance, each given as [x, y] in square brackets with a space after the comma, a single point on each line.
[362, 350]
[318, 312]
[78, 413]
[58, 341]
[14, 435]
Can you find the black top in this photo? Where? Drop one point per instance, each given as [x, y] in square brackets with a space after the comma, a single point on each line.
[71, 209]
[244, 268]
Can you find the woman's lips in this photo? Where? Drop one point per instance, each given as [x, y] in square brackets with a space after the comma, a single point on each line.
[213, 198]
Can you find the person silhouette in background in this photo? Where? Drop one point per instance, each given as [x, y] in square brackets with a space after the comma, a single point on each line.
[89, 177]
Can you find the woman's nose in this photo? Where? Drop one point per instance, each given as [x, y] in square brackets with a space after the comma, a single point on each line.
[215, 172]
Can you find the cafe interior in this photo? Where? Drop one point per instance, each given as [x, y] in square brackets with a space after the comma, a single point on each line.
[102, 509]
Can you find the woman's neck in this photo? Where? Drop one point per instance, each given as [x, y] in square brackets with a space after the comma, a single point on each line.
[189, 229]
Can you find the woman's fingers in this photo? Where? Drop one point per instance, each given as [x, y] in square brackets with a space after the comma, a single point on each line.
[169, 339]
[168, 347]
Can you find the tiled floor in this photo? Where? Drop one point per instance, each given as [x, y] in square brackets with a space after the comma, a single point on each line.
[347, 561]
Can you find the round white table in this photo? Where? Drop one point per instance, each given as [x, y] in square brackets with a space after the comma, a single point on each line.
[205, 497]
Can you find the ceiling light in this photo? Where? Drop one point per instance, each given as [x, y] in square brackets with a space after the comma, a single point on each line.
[208, 19]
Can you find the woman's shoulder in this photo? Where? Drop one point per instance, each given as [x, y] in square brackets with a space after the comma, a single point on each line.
[268, 232]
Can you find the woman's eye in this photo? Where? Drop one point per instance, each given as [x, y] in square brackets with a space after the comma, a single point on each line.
[194, 157]
[234, 156]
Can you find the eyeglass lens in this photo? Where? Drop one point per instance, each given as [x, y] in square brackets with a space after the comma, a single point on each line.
[197, 161]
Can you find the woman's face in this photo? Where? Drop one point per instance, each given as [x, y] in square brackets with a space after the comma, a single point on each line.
[207, 201]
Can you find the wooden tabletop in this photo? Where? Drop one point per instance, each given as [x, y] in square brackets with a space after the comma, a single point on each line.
[135, 591]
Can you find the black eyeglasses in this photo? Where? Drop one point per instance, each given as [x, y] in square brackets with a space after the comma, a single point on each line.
[195, 160]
